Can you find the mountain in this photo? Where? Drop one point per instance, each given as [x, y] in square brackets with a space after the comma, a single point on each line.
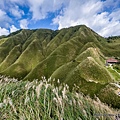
[75, 55]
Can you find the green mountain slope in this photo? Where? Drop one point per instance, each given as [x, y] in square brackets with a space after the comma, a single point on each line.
[11, 58]
[74, 55]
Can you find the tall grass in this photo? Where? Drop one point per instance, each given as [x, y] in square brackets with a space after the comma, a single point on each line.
[41, 100]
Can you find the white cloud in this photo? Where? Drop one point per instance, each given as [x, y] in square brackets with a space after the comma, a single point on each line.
[111, 4]
[115, 15]
[41, 8]
[15, 1]
[20, 2]
[91, 14]
[2, 4]
[4, 19]
[100, 15]
[16, 12]
[36, 9]
[13, 29]
[2, 13]
[3, 31]
[78, 12]
[24, 24]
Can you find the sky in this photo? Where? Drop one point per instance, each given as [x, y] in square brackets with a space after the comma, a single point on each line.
[103, 16]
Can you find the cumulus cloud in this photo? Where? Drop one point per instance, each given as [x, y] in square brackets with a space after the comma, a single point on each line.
[8, 4]
[2, 4]
[2, 13]
[41, 8]
[24, 24]
[100, 15]
[15, 1]
[13, 29]
[3, 31]
[77, 12]
[4, 19]
[20, 2]
[91, 13]
[16, 12]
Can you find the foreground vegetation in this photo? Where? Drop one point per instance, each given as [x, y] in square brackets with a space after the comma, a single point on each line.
[41, 100]
[75, 55]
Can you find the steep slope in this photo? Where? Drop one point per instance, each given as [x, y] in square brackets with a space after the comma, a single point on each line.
[27, 61]
[84, 71]
[114, 46]
[13, 41]
[94, 71]
[2, 40]
[61, 55]
[11, 58]
[34, 53]
[74, 55]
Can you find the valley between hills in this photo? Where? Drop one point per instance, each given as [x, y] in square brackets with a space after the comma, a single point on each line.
[76, 56]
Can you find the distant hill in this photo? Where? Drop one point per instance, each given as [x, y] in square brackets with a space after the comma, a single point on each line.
[74, 55]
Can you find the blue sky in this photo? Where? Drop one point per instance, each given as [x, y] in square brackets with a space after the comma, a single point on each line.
[103, 16]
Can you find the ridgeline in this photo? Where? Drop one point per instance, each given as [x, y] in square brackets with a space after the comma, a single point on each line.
[75, 55]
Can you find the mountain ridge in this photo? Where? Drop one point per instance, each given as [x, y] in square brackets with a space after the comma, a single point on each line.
[75, 55]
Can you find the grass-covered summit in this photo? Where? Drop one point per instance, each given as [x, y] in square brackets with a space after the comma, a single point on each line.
[74, 55]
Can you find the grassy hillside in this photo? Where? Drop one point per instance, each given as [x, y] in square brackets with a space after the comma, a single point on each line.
[114, 45]
[41, 100]
[2, 40]
[11, 58]
[28, 50]
[94, 71]
[74, 55]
